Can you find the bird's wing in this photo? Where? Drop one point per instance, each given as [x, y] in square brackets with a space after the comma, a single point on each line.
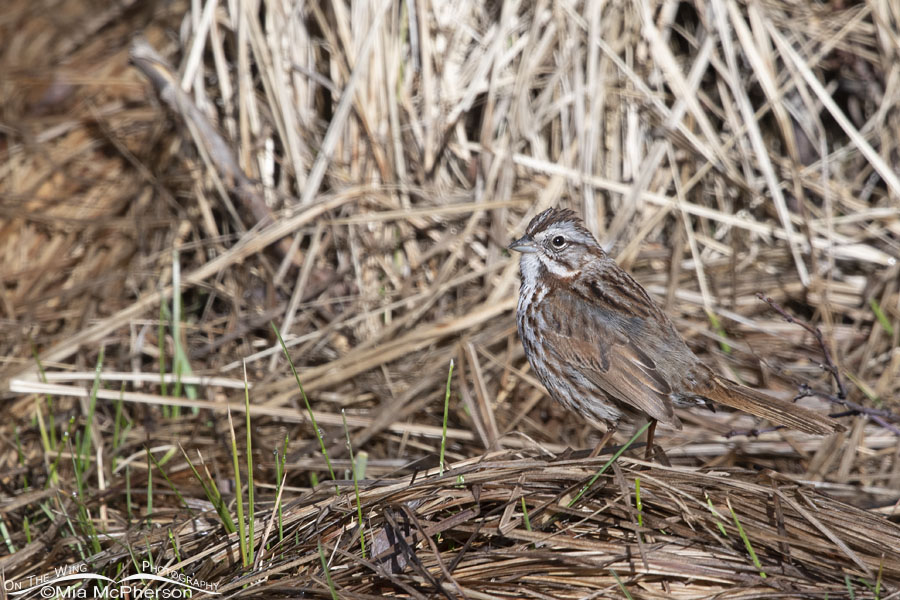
[604, 344]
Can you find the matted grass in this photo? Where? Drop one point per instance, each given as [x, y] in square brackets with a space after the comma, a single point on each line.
[176, 177]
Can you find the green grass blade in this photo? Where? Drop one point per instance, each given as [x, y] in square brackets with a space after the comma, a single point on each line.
[720, 330]
[882, 318]
[716, 515]
[334, 594]
[51, 417]
[746, 540]
[525, 515]
[359, 516]
[312, 417]
[621, 585]
[239, 494]
[279, 469]
[84, 452]
[251, 507]
[161, 342]
[637, 501]
[213, 495]
[174, 489]
[446, 410]
[612, 459]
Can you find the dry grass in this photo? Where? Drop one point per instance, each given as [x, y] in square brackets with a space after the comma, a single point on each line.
[352, 173]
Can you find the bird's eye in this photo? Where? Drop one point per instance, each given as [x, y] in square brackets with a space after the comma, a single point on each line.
[558, 241]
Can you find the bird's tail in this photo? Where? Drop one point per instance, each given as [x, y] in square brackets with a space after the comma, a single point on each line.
[764, 406]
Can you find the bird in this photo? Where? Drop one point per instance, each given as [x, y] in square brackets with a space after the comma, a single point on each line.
[606, 350]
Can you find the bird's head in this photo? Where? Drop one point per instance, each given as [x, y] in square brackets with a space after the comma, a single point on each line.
[556, 240]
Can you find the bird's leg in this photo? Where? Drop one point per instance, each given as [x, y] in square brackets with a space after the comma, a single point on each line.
[648, 451]
[610, 431]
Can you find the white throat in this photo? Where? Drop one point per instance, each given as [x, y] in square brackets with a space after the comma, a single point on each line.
[530, 266]
[556, 267]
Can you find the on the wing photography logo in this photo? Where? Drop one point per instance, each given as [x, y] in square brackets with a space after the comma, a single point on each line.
[75, 581]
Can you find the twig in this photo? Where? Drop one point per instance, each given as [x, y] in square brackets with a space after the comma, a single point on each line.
[881, 417]
[829, 363]
[756, 432]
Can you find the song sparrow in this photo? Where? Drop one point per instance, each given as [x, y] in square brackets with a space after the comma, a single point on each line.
[603, 348]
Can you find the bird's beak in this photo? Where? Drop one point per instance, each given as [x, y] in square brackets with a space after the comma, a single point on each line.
[524, 245]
